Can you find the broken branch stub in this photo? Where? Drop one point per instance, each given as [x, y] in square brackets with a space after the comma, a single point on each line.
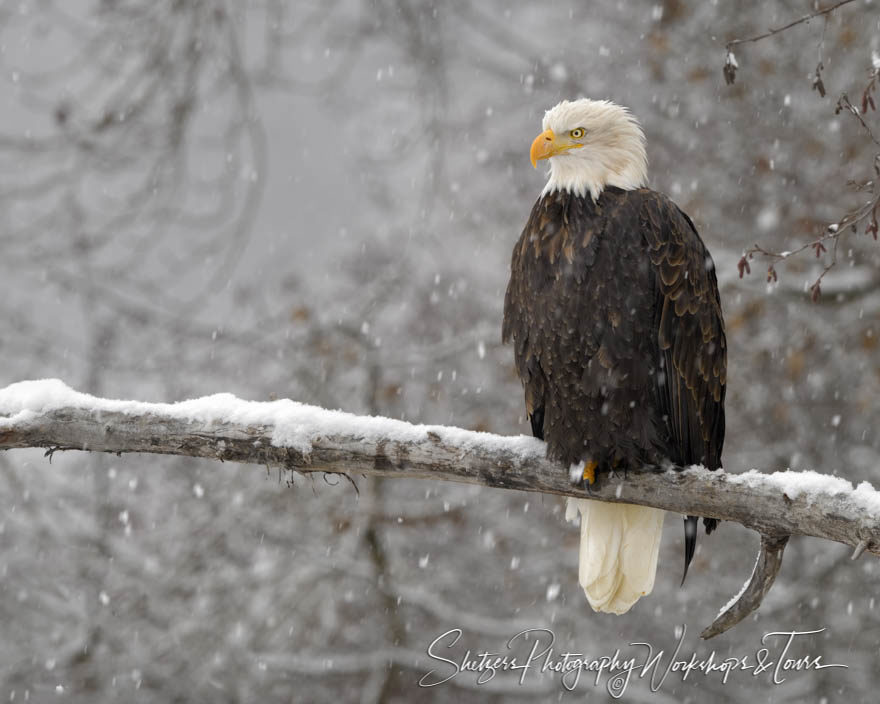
[763, 575]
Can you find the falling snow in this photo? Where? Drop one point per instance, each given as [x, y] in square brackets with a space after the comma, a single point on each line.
[243, 203]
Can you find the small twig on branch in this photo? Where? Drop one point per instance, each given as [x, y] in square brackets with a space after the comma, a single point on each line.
[307, 439]
[818, 83]
[860, 549]
[833, 233]
[843, 103]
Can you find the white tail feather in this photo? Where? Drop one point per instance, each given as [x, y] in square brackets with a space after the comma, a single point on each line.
[618, 553]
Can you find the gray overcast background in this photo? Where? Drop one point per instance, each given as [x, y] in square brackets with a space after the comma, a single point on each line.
[318, 200]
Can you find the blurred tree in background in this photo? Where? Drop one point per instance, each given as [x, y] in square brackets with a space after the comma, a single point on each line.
[317, 200]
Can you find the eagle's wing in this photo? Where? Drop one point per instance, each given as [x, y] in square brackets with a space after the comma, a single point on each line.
[693, 348]
[690, 331]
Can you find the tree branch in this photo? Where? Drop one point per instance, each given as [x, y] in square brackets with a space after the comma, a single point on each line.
[849, 222]
[730, 63]
[770, 32]
[753, 592]
[302, 438]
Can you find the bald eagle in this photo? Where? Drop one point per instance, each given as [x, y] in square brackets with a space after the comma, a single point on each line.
[615, 318]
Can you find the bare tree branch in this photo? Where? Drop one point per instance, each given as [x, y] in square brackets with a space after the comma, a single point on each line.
[833, 233]
[301, 438]
[848, 223]
[770, 32]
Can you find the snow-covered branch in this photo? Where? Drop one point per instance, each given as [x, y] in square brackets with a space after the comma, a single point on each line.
[293, 436]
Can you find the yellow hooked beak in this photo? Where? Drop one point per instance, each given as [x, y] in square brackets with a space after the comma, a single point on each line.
[548, 144]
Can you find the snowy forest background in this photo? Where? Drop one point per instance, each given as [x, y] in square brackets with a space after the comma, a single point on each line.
[318, 200]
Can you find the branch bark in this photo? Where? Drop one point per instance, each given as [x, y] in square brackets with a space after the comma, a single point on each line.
[293, 436]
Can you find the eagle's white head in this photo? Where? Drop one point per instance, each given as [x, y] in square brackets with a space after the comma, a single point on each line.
[591, 144]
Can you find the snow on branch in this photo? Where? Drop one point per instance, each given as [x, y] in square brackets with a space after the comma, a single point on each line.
[294, 436]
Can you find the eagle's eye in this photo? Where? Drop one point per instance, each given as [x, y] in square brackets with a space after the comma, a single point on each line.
[577, 132]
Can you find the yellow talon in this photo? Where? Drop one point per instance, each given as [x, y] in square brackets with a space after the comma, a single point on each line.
[590, 472]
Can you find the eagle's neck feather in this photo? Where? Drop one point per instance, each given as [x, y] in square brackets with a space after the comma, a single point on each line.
[620, 161]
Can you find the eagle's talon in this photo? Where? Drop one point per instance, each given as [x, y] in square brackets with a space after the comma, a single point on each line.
[589, 474]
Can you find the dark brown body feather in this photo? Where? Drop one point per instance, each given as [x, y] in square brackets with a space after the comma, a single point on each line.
[615, 318]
